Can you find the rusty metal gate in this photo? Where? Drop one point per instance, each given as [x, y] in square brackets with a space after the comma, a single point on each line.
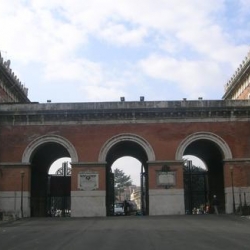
[59, 187]
[195, 189]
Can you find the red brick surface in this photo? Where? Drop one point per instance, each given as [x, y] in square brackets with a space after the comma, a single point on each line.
[88, 140]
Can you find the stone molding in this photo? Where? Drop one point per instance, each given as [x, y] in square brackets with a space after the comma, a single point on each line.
[126, 137]
[203, 136]
[49, 138]
[126, 112]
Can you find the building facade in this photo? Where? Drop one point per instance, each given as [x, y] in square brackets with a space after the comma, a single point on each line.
[11, 88]
[94, 135]
[238, 87]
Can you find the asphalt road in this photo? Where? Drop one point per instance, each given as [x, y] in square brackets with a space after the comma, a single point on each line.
[128, 233]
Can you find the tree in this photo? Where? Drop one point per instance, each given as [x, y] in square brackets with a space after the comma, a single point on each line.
[121, 180]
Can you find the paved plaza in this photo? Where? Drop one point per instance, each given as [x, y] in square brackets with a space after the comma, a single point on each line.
[127, 233]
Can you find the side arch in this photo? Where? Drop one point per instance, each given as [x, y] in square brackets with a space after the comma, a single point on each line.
[126, 137]
[203, 136]
[45, 139]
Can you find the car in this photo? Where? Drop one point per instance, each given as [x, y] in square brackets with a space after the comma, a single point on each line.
[119, 208]
[131, 207]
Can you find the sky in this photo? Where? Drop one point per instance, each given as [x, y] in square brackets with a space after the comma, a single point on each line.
[101, 50]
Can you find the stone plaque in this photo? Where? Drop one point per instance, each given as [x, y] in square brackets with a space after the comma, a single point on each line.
[88, 180]
[166, 178]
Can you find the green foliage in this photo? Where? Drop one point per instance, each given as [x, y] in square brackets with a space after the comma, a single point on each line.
[121, 179]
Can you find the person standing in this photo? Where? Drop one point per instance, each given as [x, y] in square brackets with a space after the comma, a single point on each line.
[126, 207]
[215, 204]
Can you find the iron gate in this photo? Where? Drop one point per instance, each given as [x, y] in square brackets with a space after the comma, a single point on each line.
[53, 200]
[143, 192]
[195, 189]
[110, 197]
[58, 198]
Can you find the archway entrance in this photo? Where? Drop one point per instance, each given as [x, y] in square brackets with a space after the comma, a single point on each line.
[118, 150]
[201, 184]
[43, 185]
[129, 185]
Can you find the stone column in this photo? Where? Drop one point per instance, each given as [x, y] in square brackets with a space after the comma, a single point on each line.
[237, 184]
[15, 190]
[88, 189]
[166, 193]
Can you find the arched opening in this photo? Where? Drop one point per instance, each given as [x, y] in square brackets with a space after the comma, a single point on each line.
[209, 181]
[127, 185]
[116, 151]
[41, 154]
[43, 186]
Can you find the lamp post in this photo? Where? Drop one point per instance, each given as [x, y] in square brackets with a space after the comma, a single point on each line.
[22, 176]
[232, 180]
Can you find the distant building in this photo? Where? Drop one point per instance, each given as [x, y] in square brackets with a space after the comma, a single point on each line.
[238, 87]
[136, 197]
[132, 193]
[11, 88]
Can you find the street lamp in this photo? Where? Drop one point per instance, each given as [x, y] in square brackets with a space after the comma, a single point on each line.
[22, 176]
[232, 180]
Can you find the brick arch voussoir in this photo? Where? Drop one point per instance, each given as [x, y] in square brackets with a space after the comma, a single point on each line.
[207, 136]
[45, 139]
[126, 137]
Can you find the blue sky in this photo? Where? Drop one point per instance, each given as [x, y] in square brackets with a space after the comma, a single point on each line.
[101, 50]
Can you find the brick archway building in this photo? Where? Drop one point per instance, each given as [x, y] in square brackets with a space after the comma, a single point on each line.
[94, 135]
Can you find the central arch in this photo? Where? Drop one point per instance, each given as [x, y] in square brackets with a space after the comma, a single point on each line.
[126, 137]
[126, 145]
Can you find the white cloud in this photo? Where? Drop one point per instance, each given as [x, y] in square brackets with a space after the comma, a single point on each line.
[102, 93]
[245, 5]
[162, 37]
[78, 70]
[91, 79]
[192, 77]
[121, 35]
[34, 34]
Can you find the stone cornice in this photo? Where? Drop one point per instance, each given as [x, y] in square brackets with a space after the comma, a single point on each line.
[124, 112]
[14, 164]
[239, 75]
[12, 82]
[87, 164]
[237, 160]
[161, 163]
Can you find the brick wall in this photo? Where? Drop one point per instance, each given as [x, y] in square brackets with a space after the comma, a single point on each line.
[88, 140]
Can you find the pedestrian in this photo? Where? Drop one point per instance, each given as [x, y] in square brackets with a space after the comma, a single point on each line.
[126, 207]
[215, 204]
[207, 211]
